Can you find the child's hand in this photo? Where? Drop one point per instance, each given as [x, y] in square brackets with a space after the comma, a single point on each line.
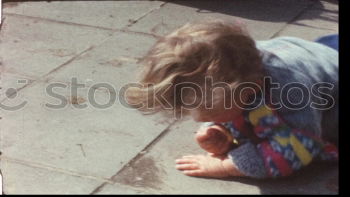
[214, 140]
[207, 166]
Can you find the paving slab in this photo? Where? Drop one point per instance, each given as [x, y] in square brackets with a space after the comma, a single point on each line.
[33, 47]
[313, 24]
[161, 177]
[327, 5]
[113, 62]
[109, 14]
[117, 150]
[263, 18]
[12, 82]
[24, 179]
[92, 141]
[45, 132]
[118, 189]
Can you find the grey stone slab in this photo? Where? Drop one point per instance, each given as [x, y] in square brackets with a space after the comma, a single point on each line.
[263, 18]
[118, 189]
[155, 172]
[320, 19]
[113, 62]
[99, 142]
[23, 179]
[71, 138]
[35, 47]
[108, 14]
[11, 82]
[305, 32]
[91, 140]
[327, 5]
[313, 24]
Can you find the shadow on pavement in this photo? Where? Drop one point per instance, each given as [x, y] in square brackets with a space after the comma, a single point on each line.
[318, 178]
[259, 10]
[266, 10]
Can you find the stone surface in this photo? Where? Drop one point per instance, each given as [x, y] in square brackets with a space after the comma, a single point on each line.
[327, 5]
[24, 179]
[114, 62]
[10, 83]
[119, 189]
[313, 24]
[33, 47]
[265, 19]
[161, 177]
[109, 14]
[117, 150]
[94, 140]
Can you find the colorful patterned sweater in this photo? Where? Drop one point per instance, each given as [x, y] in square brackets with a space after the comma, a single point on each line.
[282, 149]
[286, 140]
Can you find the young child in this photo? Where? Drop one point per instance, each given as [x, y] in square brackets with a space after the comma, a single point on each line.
[253, 126]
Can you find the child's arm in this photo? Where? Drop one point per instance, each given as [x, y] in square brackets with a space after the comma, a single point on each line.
[257, 161]
[283, 150]
[207, 166]
[218, 140]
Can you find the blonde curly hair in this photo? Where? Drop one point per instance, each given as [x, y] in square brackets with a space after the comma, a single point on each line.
[221, 50]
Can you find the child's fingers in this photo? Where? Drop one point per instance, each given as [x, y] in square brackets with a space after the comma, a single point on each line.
[193, 172]
[187, 166]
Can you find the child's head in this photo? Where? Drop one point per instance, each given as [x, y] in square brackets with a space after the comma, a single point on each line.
[179, 65]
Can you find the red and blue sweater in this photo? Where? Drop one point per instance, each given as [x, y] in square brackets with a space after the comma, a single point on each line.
[275, 142]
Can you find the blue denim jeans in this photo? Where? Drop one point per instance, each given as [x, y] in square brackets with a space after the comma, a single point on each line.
[330, 40]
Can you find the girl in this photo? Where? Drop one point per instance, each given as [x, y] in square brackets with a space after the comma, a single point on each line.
[270, 107]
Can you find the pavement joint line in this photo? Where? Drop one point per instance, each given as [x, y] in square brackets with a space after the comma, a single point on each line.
[138, 156]
[57, 21]
[112, 30]
[55, 169]
[45, 76]
[17, 90]
[69, 61]
[88, 49]
[306, 8]
[132, 22]
[309, 26]
[124, 30]
[19, 73]
[49, 73]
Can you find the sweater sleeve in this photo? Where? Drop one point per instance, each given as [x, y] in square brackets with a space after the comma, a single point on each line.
[248, 160]
[283, 151]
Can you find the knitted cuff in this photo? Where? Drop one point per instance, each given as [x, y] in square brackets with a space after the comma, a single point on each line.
[248, 160]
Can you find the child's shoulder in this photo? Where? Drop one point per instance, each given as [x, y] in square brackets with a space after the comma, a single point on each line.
[303, 57]
[287, 43]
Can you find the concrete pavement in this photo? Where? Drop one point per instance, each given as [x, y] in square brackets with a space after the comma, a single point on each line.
[91, 146]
